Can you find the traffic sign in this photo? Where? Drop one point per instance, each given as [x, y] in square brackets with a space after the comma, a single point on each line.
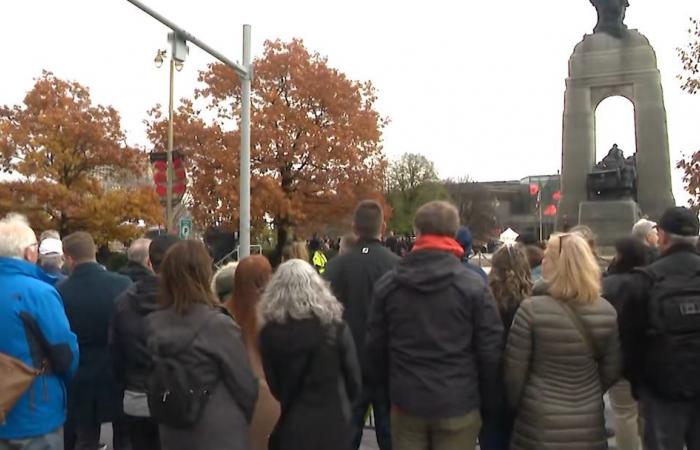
[185, 227]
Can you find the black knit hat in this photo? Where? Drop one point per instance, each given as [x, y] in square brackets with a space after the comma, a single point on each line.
[680, 221]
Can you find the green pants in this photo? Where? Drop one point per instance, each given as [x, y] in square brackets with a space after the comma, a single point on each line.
[415, 433]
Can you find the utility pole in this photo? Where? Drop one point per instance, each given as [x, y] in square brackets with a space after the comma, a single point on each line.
[245, 75]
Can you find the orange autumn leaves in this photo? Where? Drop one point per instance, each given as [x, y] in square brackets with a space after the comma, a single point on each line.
[315, 141]
[60, 149]
[315, 151]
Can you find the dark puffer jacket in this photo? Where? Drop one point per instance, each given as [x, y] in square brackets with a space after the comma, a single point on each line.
[554, 381]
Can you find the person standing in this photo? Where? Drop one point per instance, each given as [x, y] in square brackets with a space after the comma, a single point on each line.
[510, 283]
[630, 255]
[352, 276]
[194, 334]
[51, 258]
[310, 362]
[31, 312]
[252, 275]
[128, 345]
[435, 339]
[138, 268]
[466, 239]
[645, 231]
[89, 296]
[660, 332]
[562, 354]
[318, 257]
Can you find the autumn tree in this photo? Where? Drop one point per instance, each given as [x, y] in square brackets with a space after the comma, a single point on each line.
[410, 182]
[690, 57]
[315, 142]
[63, 152]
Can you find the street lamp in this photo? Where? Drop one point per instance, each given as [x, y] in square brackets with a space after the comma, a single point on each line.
[178, 53]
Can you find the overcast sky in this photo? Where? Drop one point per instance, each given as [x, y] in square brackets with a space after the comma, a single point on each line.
[476, 86]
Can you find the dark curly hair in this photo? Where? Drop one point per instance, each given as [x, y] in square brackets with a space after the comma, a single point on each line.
[510, 278]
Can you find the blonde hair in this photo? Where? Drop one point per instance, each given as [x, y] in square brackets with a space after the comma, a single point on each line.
[295, 250]
[575, 274]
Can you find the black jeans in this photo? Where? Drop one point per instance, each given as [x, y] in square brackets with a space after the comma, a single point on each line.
[379, 400]
[143, 432]
[669, 424]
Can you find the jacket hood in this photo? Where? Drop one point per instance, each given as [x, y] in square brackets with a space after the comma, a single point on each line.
[135, 271]
[143, 296]
[14, 266]
[295, 336]
[427, 270]
[172, 333]
[465, 239]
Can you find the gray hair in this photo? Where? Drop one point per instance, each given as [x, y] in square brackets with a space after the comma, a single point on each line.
[49, 234]
[296, 291]
[15, 236]
[223, 280]
[138, 251]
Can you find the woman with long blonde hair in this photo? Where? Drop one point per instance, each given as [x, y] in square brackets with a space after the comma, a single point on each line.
[562, 354]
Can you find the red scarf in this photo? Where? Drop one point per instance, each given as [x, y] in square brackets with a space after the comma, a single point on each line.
[440, 243]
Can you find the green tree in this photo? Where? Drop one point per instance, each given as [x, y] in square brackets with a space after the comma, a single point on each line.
[410, 182]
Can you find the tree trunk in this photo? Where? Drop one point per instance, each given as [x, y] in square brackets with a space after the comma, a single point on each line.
[282, 227]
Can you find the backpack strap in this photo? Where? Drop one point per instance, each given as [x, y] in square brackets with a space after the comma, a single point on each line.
[581, 327]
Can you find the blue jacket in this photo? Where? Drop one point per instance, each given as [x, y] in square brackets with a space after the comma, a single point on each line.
[25, 292]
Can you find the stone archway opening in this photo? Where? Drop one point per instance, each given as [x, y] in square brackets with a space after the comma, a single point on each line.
[614, 124]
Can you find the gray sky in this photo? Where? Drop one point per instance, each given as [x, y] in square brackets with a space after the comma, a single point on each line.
[477, 86]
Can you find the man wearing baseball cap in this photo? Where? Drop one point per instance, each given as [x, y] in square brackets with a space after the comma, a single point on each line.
[51, 258]
[660, 335]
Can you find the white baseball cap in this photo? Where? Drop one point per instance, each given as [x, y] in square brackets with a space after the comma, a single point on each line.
[51, 246]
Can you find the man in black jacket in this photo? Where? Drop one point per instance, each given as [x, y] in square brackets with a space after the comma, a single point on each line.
[352, 277]
[660, 336]
[130, 355]
[435, 336]
[94, 396]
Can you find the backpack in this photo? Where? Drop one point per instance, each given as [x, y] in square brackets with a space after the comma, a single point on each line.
[672, 364]
[172, 399]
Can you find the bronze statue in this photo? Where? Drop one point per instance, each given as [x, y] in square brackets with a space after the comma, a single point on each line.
[611, 17]
[614, 177]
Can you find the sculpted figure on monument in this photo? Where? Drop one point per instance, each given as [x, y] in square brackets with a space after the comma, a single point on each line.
[611, 16]
[615, 177]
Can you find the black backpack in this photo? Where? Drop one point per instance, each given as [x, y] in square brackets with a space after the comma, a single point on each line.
[673, 356]
[172, 398]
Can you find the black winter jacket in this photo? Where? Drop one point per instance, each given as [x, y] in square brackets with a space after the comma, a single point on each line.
[313, 371]
[128, 338]
[352, 277]
[634, 315]
[89, 296]
[435, 336]
[135, 271]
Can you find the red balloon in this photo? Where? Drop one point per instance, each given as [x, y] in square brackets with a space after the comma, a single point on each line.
[556, 196]
[534, 189]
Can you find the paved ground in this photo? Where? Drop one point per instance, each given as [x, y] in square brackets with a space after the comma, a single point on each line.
[369, 442]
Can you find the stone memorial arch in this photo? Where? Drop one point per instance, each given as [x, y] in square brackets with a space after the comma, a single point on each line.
[614, 61]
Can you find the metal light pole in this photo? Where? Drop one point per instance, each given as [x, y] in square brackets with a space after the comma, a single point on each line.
[244, 195]
[245, 75]
[169, 170]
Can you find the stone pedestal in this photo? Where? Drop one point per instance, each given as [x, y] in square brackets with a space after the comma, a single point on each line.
[600, 67]
[610, 220]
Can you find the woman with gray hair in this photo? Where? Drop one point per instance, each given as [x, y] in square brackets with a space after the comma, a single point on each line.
[309, 360]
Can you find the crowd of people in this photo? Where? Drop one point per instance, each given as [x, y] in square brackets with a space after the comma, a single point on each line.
[442, 355]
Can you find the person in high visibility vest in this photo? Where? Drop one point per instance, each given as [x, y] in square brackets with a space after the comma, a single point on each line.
[318, 258]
